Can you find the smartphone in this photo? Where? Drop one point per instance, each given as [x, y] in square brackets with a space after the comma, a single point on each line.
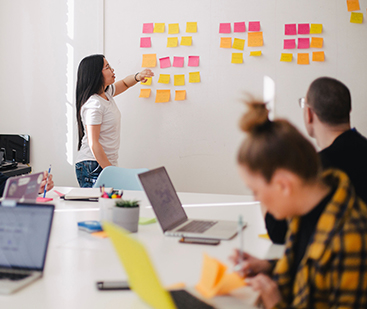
[199, 241]
[112, 285]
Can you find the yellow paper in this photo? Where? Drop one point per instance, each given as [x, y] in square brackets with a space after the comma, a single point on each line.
[180, 95]
[255, 53]
[145, 93]
[172, 42]
[356, 18]
[318, 56]
[148, 81]
[316, 29]
[265, 236]
[179, 80]
[255, 39]
[158, 28]
[162, 96]
[173, 28]
[238, 44]
[303, 58]
[316, 42]
[194, 77]
[237, 58]
[353, 5]
[225, 42]
[191, 27]
[164, 78]
[149, 61]
[186, 41]
[285, 57]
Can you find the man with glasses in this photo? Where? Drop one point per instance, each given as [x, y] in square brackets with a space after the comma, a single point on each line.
[326, 111]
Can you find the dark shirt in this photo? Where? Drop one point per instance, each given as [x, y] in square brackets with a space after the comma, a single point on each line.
[3, 179]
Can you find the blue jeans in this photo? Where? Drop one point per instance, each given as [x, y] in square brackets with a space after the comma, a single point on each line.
[87, 173]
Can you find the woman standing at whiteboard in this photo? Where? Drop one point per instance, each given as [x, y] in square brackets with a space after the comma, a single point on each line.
[98, 116]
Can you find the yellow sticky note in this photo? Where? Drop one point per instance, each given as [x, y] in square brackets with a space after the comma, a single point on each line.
[191, 27]
[158, 28]
[316, 42]
[173, 28]
[149, 60]
[265, 236]
[186, 41]
[255, 39]
[318, 56]
[353, 5]
[179, 80]
[148, 81]
[303, 58]
[172, 42]
[356, 18]
[316, 28]
[255, 53]
[194, 77]
[238, 44]
[285, 57]
[145, 93]
[225, 42]
[237, 58]
[162, 96]
[164, 78]
[180, 95]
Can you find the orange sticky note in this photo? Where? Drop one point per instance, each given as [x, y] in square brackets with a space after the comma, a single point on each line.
[225, 42]
[353, 5]
[230, 282]
[191, 27]
[162, 96]
[356, 18]
[145, 93]
[255, 39]
[179, 80]
[173, 29]
[101, 234]
[316, 42]
[172, 42]
[303, 58]
[237, 58]
[180, 95]
[159, 28]
[194, 77]
[238, 44]
[148, 81]
[316, 29]
[186, 41]
[149, 61]
[286, 57]
[318, 56]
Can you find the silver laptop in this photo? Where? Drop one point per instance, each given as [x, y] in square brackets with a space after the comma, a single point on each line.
[24, 235]
[171, 215]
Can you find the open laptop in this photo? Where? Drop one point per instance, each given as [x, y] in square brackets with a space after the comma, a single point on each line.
[24, 235]
[143, 278]
[171, 215]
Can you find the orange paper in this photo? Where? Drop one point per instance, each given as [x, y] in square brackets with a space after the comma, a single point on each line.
[353, 5]
[316, 42]
[303, 58]
[162, 96]
[318, 56]
[180, 95]
[255, 39]
[145, 93]
[225, 42]
[149, 61]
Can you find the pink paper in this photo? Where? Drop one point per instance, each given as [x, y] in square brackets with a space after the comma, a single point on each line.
[193, 61]
[303, 43]
[289, 44]
[290, 29]
[303, 28]
[178, 62]
[145, 42]
[239, 27]
[165, 62]
[225, 28]
[148, 28]
[254, 26]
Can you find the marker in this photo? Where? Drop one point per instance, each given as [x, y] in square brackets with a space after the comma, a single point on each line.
[240, 236]
[44, 191]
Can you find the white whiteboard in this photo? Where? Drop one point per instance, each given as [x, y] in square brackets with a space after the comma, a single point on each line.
[197, 139]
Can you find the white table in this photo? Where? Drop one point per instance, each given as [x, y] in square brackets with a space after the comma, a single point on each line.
[76, 260]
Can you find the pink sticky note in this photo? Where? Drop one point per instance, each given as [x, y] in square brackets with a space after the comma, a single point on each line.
[239, 27]
[303, 28]
[303, 43]
[289, 44]
[148, 28]
[290, 29]
[43, 199]
[225, 28]
[254, 26]
[193, 61]
[145, 42]
[178, 62]
[165, 62]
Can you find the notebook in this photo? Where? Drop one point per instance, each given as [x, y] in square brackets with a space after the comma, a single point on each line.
[172, 216]
[84, 194]
[142, 276]
[24, 236]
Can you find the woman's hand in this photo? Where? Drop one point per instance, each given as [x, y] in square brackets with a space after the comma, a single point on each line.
[248, 265]
[142, 76]
[50, 182]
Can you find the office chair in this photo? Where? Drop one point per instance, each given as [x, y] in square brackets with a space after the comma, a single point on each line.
[120, 178]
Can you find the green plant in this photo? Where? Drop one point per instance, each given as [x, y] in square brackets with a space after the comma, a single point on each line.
[127, 203]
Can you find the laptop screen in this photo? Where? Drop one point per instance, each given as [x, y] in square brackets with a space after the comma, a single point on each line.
[23, 188]
[24, 234]
[162, 195]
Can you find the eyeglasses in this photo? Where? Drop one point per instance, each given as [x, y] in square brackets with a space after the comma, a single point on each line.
[302, 102]
[107, 67]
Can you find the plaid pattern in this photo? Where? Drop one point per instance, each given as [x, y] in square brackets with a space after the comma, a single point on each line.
[333, 271]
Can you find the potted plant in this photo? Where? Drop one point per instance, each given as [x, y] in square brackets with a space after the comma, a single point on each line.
[125, 213]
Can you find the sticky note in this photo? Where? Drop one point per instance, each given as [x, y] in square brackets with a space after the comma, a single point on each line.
[179, 80]
[265, 236]
[146, 220]
[158, 28]
[194, 77]
[303, 43]
[255, 39]
[289, 44]
[303, 58]
[148, 81]
[100, 234]
[186, 41]
[191, 27]
[356, 18]
[148, 28]
[193, 61]
[145, 93]
[239, 27]
[225, 42]
[145, 42]
[162, 96]
[318, 56]
[173, 29]
[303, 28]
[316, 29]
[255, 53]
[164, 78]
[164, 62]
[353, 5]
[149, 60]
[316, 42]
[285, 57]
[237, 58]
[180, 95]
[225, 28]
[238, 44]
[172, 42]
[178, 62]
[254, 26]
[290, 29]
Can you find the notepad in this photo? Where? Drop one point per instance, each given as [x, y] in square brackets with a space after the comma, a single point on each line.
[86, 194]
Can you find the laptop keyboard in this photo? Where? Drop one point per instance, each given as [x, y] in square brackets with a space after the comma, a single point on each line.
[13, 277]
[184, 300]
[197, 226]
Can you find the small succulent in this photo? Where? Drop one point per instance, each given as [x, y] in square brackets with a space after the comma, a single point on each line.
[127, 203]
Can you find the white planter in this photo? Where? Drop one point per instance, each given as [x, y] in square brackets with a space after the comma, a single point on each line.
[126, 217]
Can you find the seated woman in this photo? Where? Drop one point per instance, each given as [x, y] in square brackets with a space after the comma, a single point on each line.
[325, 261]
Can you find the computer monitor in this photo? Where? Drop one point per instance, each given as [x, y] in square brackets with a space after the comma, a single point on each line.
[18, 142]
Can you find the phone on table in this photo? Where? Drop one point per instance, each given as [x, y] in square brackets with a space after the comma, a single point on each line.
[199, 241]
[112, 285]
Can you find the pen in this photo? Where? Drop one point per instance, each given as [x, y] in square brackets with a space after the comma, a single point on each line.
[44, 191]
[240, 236]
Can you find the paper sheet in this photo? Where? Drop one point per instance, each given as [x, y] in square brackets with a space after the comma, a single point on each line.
[186, 41]
[145, 93]
[289, 44]
[148, 81]
[173, 29]
[159, 28]
[290, 29]
[162, 96]
[255, 39]
[148, 28]
[353, 5]
[256, 53]
[303, 58]
[179, 80]
[193, 61]
[254, 26]
[191, 27]
[303, 43]
[318, 56]
[316, 42]
[286, 57]
[164, 62]
[164, 78]
[172, 42]
[194, 77]
[239, 27]
[238, 44]
[225, 28]
[303, 28]
[145, 42]
[316, 29]
[225, 42]
[237, 58]
[149, 61]
[178, 62]
[180, 95]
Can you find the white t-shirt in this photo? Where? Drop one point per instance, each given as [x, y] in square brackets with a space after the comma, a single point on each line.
[97, 111]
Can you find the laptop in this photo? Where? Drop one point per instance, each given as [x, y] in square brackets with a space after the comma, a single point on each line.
[24, 236]
[142, 276]
[23, 188]
[171, 215]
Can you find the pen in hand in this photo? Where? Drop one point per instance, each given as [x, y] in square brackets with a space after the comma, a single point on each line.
[44, 191]
[240, 237]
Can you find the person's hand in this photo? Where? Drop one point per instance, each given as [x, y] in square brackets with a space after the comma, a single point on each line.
[50, 182]
[269, 291]
[142, 76]
[248, 265]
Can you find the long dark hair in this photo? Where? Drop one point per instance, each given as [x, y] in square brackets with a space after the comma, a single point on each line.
[90, 81]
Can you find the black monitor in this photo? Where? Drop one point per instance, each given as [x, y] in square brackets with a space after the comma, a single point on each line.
[17, 142]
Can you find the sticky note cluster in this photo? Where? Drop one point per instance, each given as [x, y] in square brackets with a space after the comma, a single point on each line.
[355, 17]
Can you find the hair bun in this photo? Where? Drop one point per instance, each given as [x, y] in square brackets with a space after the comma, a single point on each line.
[255, 117]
